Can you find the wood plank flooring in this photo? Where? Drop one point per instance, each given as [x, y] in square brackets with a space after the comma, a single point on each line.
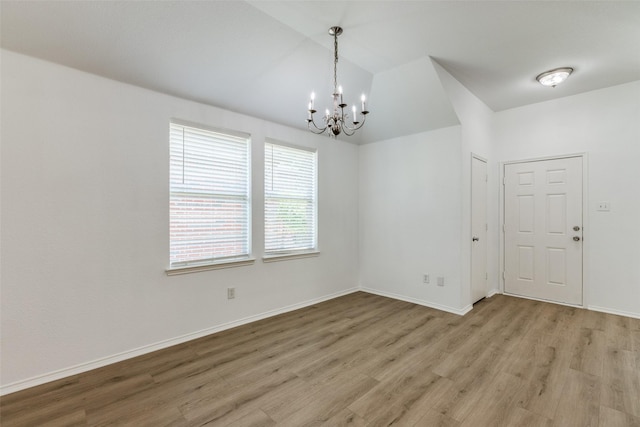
[365, 360]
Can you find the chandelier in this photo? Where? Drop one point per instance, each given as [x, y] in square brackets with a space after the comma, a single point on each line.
[337, 122]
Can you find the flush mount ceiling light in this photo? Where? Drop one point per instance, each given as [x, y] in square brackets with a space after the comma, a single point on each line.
[337, 122]
[554, 77]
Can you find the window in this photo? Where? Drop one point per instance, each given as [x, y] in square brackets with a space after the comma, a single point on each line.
[290, 201]
[209, 197]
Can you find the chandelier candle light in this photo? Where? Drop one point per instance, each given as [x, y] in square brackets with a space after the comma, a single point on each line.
[337, 122]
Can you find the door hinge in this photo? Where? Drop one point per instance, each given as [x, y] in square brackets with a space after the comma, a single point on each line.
[504, 228]
[504, 275]
[486, 178]
[504, 180]
[486, 276]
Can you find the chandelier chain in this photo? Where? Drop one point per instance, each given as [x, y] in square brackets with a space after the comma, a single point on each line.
[335, 62]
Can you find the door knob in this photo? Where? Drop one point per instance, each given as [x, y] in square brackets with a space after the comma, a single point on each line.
[475, 239]
[576, 238]
[576, 228]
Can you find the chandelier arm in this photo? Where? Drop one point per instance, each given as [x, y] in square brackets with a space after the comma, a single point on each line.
[357, 126]
[348, 131]
[317, 133]
[320, 130]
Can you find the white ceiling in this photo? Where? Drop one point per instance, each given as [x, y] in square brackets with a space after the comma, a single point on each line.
[263, 58]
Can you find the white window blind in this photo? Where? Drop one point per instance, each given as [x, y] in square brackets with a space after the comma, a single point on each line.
[290, 211]
[209, 196]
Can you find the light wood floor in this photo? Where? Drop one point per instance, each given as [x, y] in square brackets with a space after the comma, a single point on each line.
[365, 360]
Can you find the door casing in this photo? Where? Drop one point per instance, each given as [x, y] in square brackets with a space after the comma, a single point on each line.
[585, 218]
[476, 292]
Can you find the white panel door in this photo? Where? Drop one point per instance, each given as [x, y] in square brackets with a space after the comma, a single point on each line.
[478, 229]
[543, 229]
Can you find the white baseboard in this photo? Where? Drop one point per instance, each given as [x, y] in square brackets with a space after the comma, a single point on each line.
[586, 307]
[460, 312]
[612, 311]
[104, 361]
[492, 292]
[544, 300]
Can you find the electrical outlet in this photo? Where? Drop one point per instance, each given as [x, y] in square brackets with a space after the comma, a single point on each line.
[231, 293]
[440, 281]
[425, 278]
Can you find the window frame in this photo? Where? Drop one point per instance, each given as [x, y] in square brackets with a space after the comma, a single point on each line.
[285, 254]
[183, 267]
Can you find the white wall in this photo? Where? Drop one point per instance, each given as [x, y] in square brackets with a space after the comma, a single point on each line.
[402, 235]
[606, 125]
[429, 107]
[418, 190]
[477, 138]
[84, 178]
[410, 215]
[84, 218]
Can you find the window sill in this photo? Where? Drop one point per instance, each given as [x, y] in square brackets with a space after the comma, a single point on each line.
[286, 257]
[205, 267]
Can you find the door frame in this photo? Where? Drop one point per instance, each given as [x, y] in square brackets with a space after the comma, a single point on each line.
[486, 162]
[585, 221]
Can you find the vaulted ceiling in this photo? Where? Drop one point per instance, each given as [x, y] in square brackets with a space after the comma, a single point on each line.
[263, 58]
